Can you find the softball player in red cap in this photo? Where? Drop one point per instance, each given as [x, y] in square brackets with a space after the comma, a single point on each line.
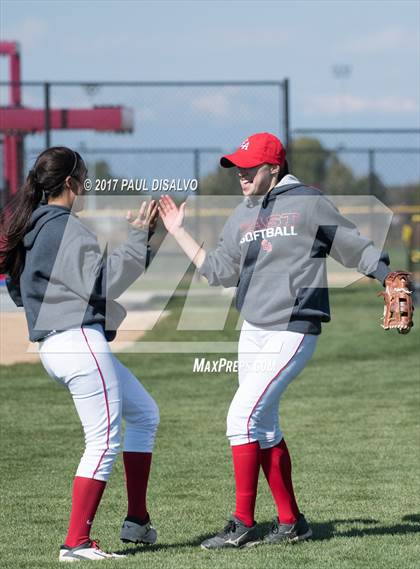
[272, 249]
[58, 274]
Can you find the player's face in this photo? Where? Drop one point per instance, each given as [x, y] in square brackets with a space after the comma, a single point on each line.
[256, 181]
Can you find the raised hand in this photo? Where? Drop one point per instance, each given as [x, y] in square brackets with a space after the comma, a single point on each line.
[172, 216]
[146, 216]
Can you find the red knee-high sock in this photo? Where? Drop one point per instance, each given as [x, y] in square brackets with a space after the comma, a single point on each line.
[277, 468]
[137, 470]
[246, 465]
[87, 494]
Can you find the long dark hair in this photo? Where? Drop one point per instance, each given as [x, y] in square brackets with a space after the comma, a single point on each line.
[46, 178]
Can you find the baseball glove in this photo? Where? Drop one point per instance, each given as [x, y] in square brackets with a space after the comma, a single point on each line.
[398, 308]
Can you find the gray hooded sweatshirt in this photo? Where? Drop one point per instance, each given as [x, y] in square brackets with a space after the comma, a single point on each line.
[274, 248]
[67, 282]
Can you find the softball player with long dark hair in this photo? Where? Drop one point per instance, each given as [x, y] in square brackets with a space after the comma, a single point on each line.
[273, 249]
[58, 273]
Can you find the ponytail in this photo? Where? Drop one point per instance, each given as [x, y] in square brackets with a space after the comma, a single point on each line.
[34, 187]
[46, 178]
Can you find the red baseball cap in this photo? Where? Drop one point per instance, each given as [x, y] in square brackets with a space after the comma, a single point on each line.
[257, 149]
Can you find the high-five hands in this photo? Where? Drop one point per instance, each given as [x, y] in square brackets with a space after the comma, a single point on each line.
[173, 219]
[172, 216]
[147, 216]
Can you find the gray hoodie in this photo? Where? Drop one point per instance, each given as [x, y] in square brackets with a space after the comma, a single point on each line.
[274, 248]
[67, 281]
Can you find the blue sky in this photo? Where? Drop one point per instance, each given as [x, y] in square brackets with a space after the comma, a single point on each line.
[172, 40]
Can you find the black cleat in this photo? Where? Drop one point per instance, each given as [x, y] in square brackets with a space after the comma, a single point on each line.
[136, 532]
[235, 534]
[279, 533]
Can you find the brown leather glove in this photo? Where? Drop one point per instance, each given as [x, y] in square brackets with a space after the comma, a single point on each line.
[398, 309]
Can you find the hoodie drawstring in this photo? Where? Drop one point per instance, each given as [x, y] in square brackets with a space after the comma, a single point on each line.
[265, 200]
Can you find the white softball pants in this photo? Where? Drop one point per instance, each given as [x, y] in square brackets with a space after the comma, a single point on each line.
[104, 391]
[267, 362]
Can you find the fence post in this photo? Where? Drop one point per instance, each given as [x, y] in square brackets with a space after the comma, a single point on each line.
[197, 194]
[371, 171]
[47, 122]
[285, 126]
[371, 187]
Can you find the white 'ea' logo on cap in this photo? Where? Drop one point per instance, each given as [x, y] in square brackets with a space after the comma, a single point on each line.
[245, 145]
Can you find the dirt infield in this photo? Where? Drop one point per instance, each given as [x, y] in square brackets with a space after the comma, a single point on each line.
[16, 348]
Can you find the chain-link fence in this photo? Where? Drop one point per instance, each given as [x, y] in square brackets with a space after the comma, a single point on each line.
[176, 131]
[381, 162]
[367, 161]
[143, 130]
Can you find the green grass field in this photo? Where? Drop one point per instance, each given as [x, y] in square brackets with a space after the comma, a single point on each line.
[352, 426]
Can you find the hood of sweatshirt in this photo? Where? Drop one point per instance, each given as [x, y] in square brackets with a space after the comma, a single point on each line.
[287, 183]
[40, 216]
